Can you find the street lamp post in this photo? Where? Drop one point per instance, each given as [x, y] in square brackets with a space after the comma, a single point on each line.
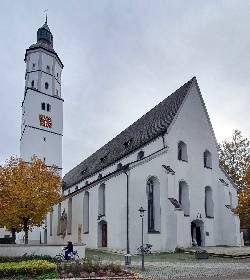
[141, 210]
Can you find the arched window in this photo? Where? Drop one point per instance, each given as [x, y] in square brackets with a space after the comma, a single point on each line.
[59, 212]
[101, 201]
[46, 85]
[207, 157]
[140, 155]
[48, 107]
[56, 92]
[43, 106]
[154, 211]
[51, 223]
[69, 221]
[86, 212]
[184, 198]
[182, 151]
[32, 83]
[209, 204]
[48, 69]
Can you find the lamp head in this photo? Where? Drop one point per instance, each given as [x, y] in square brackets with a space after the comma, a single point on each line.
[141, 210]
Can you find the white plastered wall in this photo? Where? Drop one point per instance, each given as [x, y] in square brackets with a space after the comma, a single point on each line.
[192, 127]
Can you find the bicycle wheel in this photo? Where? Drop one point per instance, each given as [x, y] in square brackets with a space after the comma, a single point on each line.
[76, 257]
[58, 259]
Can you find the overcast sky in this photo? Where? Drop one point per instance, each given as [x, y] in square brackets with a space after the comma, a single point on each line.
[121, 58]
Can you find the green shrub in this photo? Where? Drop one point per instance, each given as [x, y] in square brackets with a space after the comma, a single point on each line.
[25, 258]
[31, 267]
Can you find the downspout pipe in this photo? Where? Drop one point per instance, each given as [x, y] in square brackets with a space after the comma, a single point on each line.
[125, 170]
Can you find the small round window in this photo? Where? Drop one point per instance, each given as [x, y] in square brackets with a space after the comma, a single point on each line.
[46, 85]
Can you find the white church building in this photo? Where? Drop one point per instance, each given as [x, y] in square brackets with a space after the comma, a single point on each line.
[166, 162]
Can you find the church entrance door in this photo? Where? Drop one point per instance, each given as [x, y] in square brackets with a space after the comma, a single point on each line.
[45, 236]
[102, 238]
[197, 228]
[104, 235]
[198, 236]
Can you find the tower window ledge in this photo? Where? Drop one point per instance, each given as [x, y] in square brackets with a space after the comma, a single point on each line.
[154, 231]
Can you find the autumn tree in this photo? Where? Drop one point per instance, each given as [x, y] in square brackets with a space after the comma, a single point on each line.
[243, 208]
[27, 193]
[234, 156]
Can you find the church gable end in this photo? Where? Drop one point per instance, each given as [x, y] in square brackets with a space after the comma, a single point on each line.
[192, 125]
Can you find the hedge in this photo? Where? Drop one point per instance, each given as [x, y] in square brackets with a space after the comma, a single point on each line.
[25, 258]
[32, 267]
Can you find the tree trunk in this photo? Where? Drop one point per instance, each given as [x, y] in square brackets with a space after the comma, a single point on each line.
[26, 229]
[13, 233]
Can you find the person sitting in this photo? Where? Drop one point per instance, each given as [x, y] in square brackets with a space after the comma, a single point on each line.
[68, 250]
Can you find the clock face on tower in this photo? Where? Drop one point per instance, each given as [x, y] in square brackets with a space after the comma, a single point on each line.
[45, 121]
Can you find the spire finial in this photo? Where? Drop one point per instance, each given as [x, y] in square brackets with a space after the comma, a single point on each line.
[46, 19]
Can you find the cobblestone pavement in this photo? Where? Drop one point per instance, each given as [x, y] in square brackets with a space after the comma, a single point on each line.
[201, 270]
[235, 277]
[227, 250]
[183, 266]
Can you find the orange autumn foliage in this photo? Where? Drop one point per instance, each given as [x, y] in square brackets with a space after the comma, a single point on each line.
[243, 208]
[27, 193]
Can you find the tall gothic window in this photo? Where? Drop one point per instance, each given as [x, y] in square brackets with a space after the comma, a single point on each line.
[51, 223]
[154, 211]
[32, 83]
[184, 197]
[209, 204]
[101, 200]
[59, 212]
[182, 151]
[207, 157]
[86, 212]
[69, 221]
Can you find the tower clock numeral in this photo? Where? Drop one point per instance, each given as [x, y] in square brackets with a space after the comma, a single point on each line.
[45, 121]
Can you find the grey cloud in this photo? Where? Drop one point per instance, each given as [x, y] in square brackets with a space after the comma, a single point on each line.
[122, 58]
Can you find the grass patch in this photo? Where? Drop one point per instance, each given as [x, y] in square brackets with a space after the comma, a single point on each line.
[155, 257]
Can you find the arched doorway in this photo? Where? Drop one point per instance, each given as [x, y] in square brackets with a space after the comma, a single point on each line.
[102, 234]
[197, 233]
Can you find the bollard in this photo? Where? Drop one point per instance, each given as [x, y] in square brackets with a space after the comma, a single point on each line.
[127, 260]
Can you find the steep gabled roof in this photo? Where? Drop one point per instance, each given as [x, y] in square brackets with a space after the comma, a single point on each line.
[151, 125]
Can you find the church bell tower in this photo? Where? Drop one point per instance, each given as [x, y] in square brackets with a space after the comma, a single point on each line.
[42, 106]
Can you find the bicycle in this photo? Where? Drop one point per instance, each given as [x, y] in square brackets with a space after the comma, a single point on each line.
[147, 249]
[73, 256]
